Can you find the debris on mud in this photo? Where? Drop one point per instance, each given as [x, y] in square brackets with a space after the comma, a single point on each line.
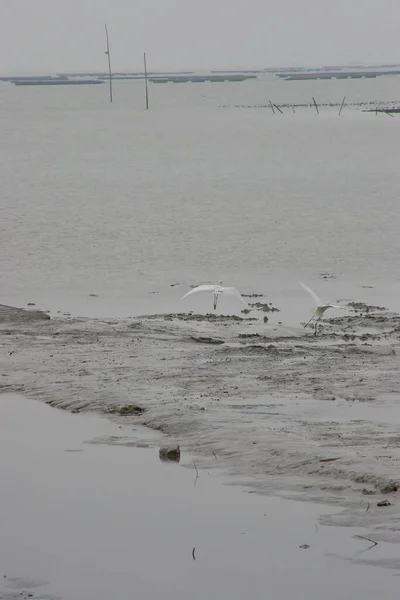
[264, 306]
[127, 409]
[170, 453]
[361, 306]
[249, 335]
[207, 340]
[252, 295]
[384, 503]
[258, 349]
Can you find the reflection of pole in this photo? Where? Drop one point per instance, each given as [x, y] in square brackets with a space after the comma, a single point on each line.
[341, 108]
[109, 63]
[145, 82]
[272, 106]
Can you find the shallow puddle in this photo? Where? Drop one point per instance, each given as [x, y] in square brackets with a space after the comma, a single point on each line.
[115, 522]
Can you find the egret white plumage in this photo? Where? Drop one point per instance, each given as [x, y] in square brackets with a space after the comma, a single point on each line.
[321, 306]
[216, 291]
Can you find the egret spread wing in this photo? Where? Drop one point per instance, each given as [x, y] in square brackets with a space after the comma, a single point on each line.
[201, 288]
[313, 295]
[336, 306]
[231, 291]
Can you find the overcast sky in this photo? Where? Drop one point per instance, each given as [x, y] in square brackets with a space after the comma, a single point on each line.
[57, 35]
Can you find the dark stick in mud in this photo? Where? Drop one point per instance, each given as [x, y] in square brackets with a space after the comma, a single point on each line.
[197, 474]
[361, 537]
[145, 81]
[277, 108]
[316, 105]
[193, 554]
[109, 63]
[341, 107]
[272, 106]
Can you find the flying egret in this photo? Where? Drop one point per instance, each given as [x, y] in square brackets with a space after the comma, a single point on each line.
[216, 290]
[321, 307]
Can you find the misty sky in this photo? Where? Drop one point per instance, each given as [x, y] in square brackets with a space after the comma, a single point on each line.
[57, 35]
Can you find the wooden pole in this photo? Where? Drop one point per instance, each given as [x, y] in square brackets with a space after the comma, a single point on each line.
[277, 108]
[145, 81]
[341, 108]
[272, 106]
[109, 63]
[294, 112]
[316, 105]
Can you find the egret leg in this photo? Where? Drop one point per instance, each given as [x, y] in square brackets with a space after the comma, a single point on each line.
[215, 301]
[316, 326]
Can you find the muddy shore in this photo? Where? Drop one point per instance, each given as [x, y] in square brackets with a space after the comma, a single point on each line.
[288, 413]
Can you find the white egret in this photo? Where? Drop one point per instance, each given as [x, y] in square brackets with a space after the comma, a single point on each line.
[321, 306]
[216, 291]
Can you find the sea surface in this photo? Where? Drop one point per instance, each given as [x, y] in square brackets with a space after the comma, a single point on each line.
[110, 213]
[207, 186]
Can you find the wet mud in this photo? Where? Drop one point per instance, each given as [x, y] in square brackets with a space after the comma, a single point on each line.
[292, 414]
[24, 588]
[210, 317]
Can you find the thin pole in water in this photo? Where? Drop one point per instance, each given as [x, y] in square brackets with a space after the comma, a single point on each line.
[277, 108]
[341, 108]
[109, 63]
[316, 105]
[145, 81]
[272, 106]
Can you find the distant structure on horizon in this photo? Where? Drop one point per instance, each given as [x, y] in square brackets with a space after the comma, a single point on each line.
[335, 74]
[201, 78]
[212, 76]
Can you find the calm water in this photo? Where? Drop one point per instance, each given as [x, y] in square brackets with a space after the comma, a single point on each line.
[113, 522]
[109, 199]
